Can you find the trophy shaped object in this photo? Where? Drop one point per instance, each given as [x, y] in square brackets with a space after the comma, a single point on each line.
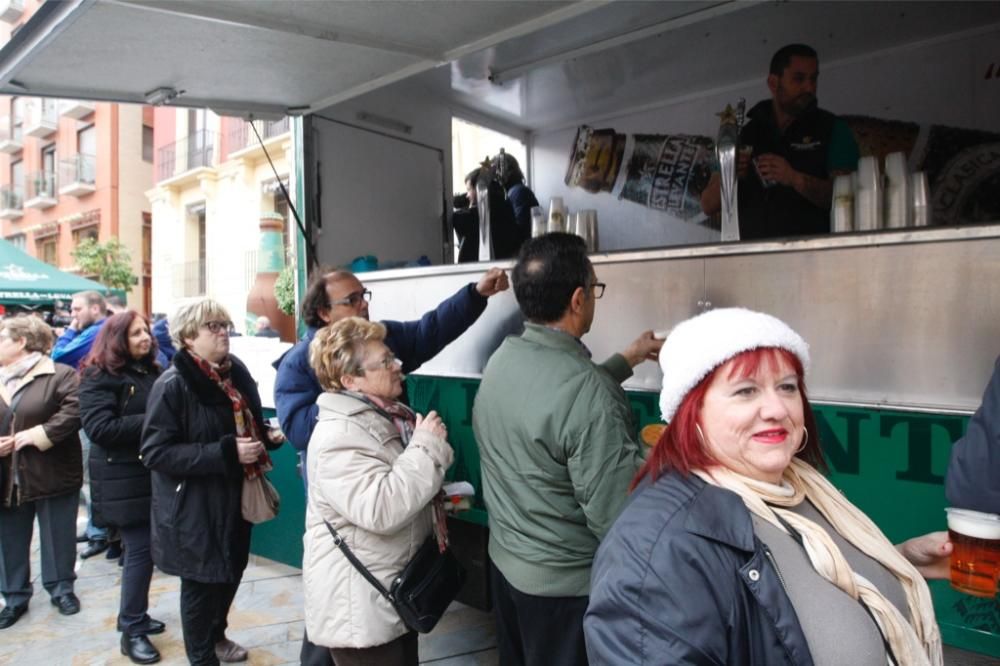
[727, 150]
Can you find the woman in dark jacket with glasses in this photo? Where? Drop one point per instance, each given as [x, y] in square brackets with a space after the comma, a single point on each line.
[116, 378]
[204, 437]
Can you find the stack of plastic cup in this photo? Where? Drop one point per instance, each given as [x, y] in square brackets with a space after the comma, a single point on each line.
[539, 225]
[557, 216]
[842, 210]
[920, 195]
[868, 195]
[897, 192]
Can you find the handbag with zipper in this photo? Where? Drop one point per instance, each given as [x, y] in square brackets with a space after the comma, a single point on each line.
[7, 425]
[423, 590]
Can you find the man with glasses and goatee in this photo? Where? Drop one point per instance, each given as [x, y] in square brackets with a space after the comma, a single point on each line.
[339, 294]
[558, 449]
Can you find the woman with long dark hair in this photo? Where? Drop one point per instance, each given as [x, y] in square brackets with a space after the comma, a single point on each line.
[116, 378]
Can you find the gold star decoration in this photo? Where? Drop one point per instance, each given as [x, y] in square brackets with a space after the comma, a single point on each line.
[727, 116]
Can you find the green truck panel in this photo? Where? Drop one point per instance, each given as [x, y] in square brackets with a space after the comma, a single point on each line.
[889, 463]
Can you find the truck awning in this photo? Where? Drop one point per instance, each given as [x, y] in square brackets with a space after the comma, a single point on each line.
[532, 63]
[243, 57]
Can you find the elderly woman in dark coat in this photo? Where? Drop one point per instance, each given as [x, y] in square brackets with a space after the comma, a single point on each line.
[116, 378]
[41, 468]
[204, 435]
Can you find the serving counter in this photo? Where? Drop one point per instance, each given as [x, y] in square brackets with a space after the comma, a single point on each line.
[904, 328]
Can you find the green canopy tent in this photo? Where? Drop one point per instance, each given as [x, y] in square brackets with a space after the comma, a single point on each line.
[25, 280]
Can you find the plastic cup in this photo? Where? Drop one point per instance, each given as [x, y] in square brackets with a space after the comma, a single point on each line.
[539, 223]
[557, 216]
[920, 193]
[975, 560]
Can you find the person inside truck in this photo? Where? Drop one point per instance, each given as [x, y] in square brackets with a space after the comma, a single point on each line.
[465, 220]
[336, 295]
[792, 150]
[508, 173]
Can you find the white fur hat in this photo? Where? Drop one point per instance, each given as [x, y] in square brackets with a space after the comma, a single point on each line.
[698, 345]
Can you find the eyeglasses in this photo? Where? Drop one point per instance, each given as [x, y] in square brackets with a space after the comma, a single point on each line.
[387, 363]
[598, 288]
[354, 300]
[218, 326]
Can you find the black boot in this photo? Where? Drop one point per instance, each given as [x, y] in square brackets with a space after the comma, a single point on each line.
[94, 547]
[139, 649]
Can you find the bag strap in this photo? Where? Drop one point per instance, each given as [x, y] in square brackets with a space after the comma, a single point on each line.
[340, 543]
[8, 418]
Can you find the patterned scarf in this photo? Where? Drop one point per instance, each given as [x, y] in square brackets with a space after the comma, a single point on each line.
[246, 425]
[916, 641]
[11, 374]
[405, 420]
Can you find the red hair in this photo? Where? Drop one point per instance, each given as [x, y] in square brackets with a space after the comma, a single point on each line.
[680, 447]
[110, 350]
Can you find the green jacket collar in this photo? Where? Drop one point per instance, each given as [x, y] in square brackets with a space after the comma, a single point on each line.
[550, 337]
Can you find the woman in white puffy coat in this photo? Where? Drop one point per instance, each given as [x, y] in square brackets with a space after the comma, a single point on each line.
[375, 470]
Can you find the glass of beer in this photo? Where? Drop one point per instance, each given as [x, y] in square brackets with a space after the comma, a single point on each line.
[975, 560]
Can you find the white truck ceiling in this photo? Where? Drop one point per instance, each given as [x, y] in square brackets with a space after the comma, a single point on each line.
[534, 65]
[264, 57]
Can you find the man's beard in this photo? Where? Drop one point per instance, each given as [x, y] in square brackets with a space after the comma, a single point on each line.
[799, 105]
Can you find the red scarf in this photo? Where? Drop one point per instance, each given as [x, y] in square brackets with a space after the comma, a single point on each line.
[246, 424]
[405, 420]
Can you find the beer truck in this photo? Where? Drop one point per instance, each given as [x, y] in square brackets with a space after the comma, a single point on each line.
[616, 106]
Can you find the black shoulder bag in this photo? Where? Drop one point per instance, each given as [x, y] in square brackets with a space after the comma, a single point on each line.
[422, 591]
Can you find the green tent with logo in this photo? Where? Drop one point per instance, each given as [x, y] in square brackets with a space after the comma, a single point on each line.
[25, 280]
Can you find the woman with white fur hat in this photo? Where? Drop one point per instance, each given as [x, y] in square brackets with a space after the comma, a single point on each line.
[734, 549]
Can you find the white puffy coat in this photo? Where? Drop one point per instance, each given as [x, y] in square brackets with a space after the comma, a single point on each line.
[378, 497]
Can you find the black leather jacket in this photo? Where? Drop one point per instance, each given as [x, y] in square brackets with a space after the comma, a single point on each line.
[682, 579]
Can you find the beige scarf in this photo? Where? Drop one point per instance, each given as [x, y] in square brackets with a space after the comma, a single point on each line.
[918, 643]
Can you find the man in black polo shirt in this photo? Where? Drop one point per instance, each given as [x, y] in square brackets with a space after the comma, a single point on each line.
[786, 182]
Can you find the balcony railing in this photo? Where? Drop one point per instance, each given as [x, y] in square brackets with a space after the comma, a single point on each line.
[40, 117]
[41, 190]
[11, 203]
[242, 136]
[78, 175]
[10, 136]
[190, 278]
[194, 151]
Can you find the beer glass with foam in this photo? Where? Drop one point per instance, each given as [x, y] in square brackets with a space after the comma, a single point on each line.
[975, 560]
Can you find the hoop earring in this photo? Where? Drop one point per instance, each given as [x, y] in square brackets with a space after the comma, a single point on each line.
[805, 440]
[701, 435]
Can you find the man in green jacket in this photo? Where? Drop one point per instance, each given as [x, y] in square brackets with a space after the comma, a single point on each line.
[558, 450]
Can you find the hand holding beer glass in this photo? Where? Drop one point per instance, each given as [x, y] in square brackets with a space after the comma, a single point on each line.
[975, 560]
[743, 160]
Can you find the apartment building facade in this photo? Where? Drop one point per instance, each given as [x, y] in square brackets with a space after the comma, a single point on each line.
[72, 170]
[213, 186]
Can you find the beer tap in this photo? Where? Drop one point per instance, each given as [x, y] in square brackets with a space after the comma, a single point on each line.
[727, 149]
[483, 205]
